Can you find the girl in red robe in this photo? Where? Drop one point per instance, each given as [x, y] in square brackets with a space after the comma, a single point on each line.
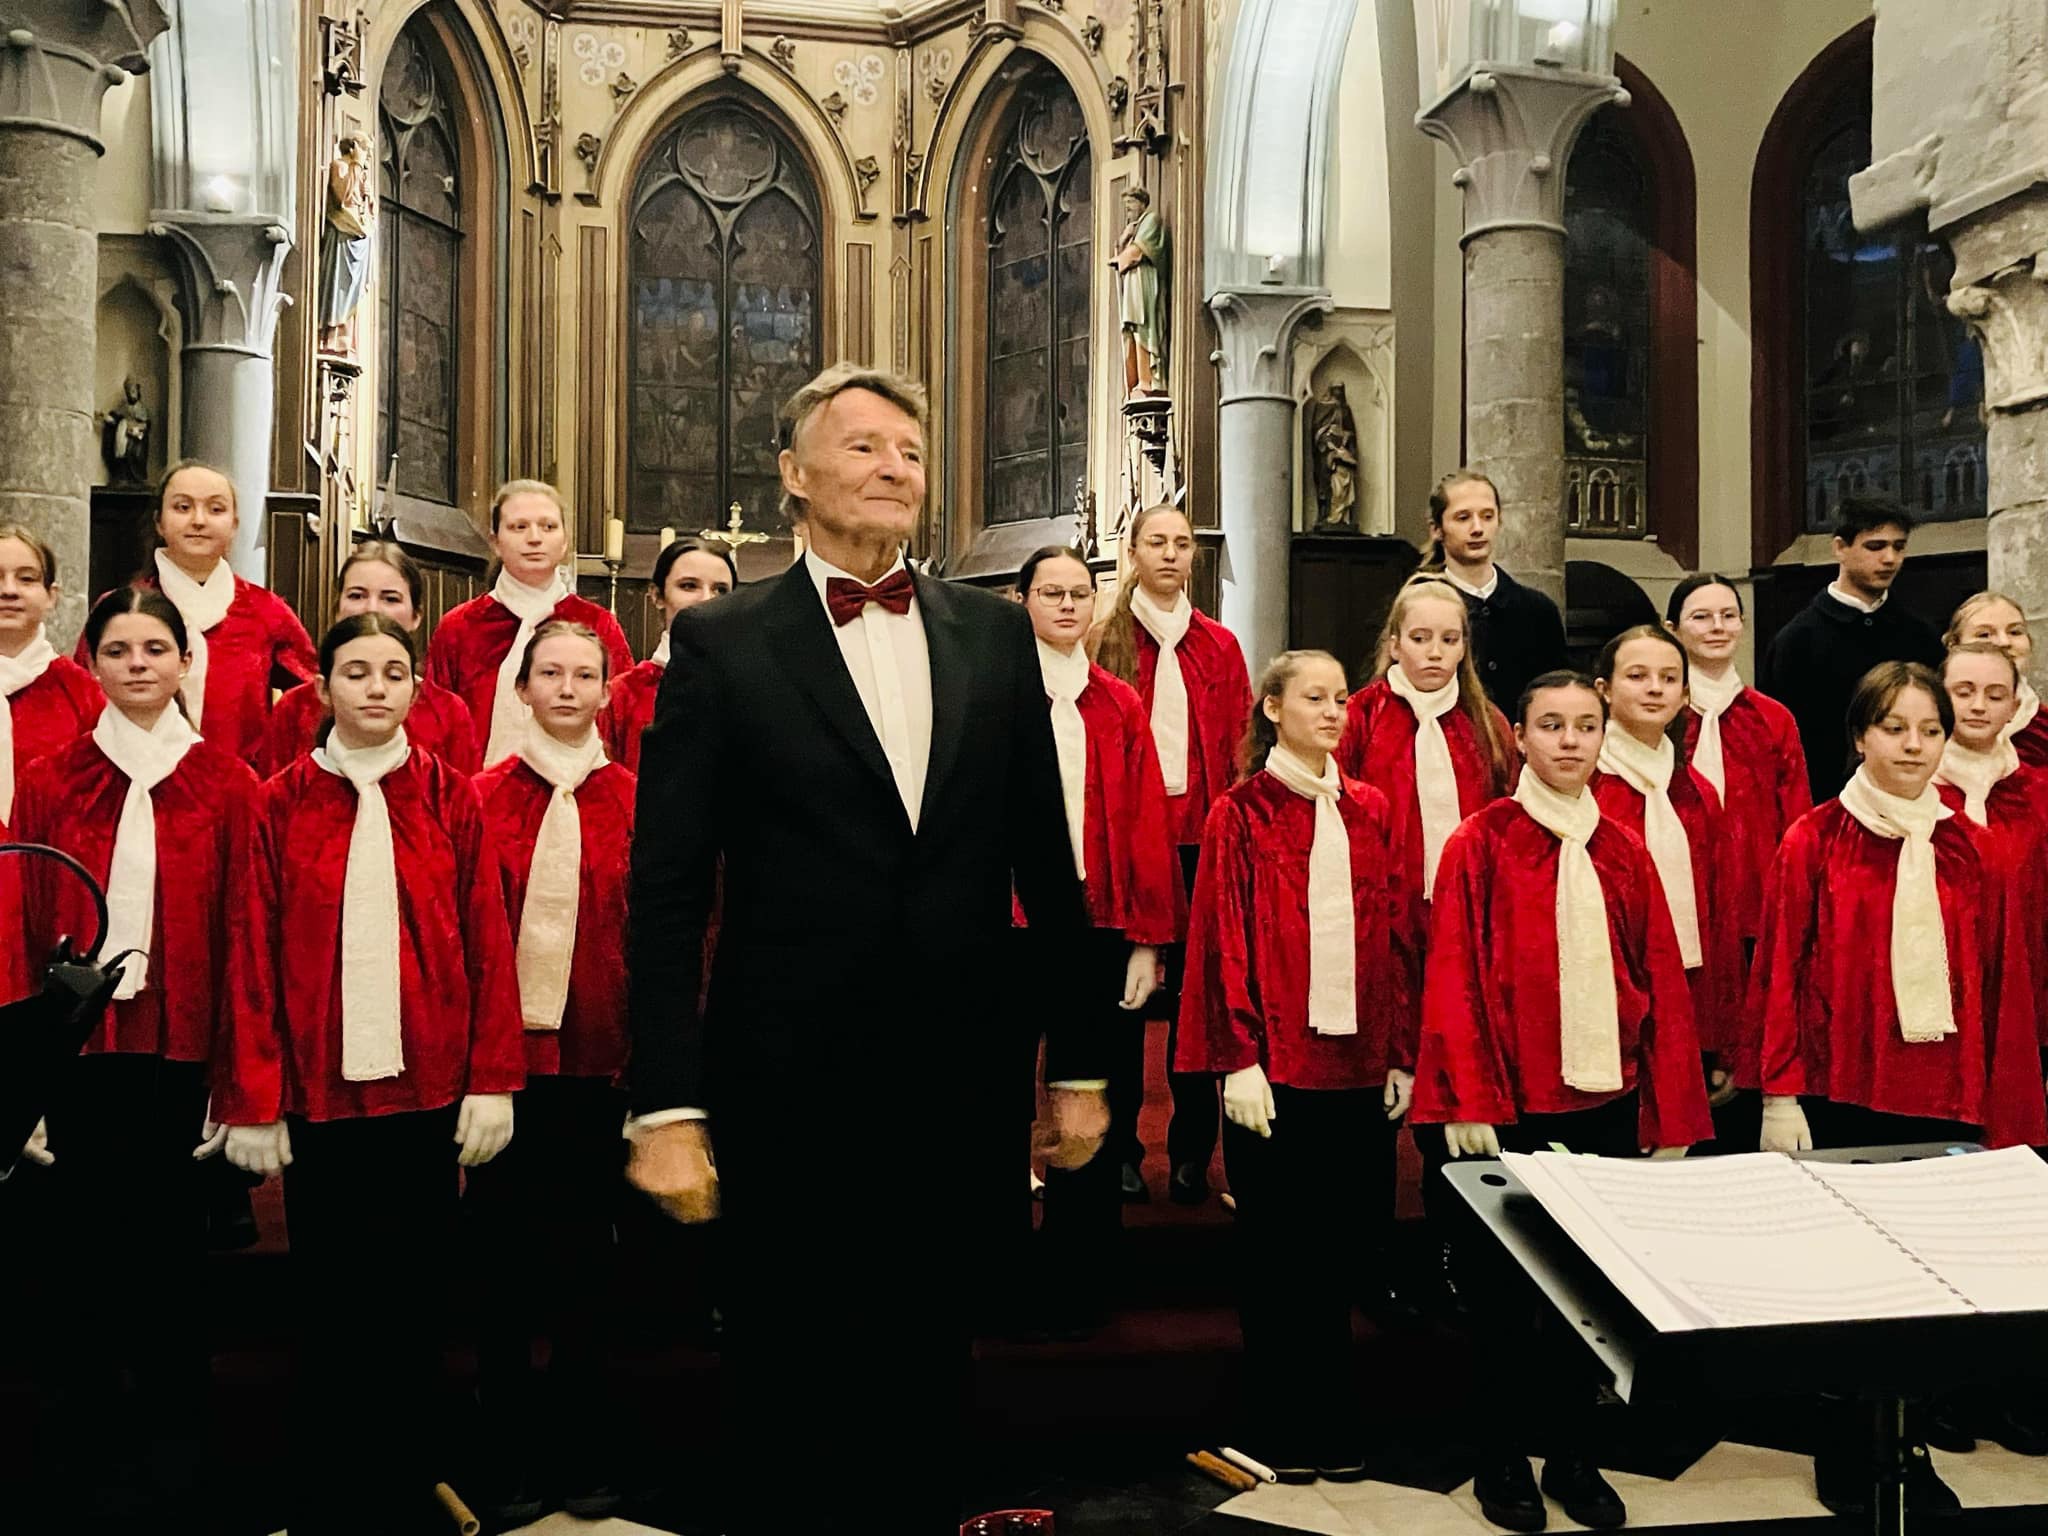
[1301, 989]
[1554, 1009]
[561, 816]
[477, 645]
[686, 572]
[1117, 822]
[1643, 784]
[1190, 673]
[381, 578]
[371, 1044]
[151, 811]
[1995, 619]
[245, 639]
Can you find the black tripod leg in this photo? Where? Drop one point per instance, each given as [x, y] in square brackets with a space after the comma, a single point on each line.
[1888, 1465]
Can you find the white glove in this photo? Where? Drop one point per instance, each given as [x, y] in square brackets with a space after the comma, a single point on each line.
[1141, 976]
[1248, 1100]
[37, 1148]
[260, 1149]
[211, 1137]
[1785, 1128]
[483, 1126]
[1464, 1138]
[1399, 1092]
[1668, 1154]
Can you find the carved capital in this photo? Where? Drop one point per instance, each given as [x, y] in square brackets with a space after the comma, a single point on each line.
[1256, 327]
[2007, 312]
[1512, 130]
[229, 272]
[57, 59]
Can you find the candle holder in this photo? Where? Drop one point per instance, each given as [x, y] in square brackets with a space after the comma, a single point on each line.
[611, 569]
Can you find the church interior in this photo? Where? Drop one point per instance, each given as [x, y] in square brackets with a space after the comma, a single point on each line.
[1277, 263]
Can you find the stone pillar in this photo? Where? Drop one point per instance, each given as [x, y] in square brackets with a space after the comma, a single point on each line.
[57, 59]
[1512, 130]
[230, 268]
[1255, 457]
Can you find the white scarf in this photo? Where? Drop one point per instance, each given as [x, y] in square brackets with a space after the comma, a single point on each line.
[1436, 781]
[201, 604]
[1711, 697]
[660, 656]
[16, 673]
[1066, 677]
[147, 758]
[1919, 948]
[1976, 774]
[372, 1045]
[1589, 1019]
[1648, 771]
[2030, 706]
[509, 713]
[1169, 689]
[1332, 917]
[547, 920]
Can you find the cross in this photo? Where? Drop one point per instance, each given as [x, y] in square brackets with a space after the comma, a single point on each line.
[733, 534]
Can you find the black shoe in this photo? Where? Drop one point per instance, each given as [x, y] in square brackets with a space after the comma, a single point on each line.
[1586, 1496]
[1949, 1425]
[600, 1502]
[1507, 1495]
[1845, 1483]
[513, 1502]
[1926, 1493]
[1135, 1190]
[1346, 1465]
[1189, 1184]
[2020, 1430]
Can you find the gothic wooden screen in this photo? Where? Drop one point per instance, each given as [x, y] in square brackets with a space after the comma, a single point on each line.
[1041, 270]
[722, 319]
[1607, 329]
[419, 231]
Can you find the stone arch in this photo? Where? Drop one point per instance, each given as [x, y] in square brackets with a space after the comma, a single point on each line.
[138, 316]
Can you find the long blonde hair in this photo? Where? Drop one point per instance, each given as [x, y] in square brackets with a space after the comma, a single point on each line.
[1967, 608]
[1261, 735]
[1471, 694]
[1113, 643]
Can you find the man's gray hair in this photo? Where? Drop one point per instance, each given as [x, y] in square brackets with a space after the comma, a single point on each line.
[907, 395]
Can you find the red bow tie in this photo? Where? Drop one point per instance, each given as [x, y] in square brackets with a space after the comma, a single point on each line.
[845, 597]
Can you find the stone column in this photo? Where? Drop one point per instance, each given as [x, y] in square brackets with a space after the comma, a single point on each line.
[1512, 130]
[229, 270]
[57, 59]
[1255, 457]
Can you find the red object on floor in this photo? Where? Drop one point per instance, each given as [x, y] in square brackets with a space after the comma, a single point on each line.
[1010, 1522]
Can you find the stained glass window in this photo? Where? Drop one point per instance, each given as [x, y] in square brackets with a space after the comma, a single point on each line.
[1041, 267]
[419, 237]
[1894, 383]
[723, 319]
[1608, 215]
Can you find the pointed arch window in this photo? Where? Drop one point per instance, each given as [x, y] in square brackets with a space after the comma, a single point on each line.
[723, 318]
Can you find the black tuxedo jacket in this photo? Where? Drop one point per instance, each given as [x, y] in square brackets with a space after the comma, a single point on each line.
[849, 951]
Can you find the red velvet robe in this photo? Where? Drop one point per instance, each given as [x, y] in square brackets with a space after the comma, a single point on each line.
[259, 646]
[630, 712]
[72, 800]
[1245, 996]
[281, 1050]
[592, 1040]
[2018, 810]
[1822, 981]
[53, 711]
[1717, 981]
[438, 722]
[1219, 707]
[1765, 771]
[473, 638]
[2032, 742]
[1490, 1017]
[1379, 748]
[1133, 881]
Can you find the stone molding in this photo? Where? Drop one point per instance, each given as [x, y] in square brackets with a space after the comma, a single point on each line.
[1255, 328]
[58, 57]
[230, 272]
[1512, 130]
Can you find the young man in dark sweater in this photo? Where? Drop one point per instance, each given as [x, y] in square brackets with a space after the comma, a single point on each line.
[1517, 632]
[1814, 663]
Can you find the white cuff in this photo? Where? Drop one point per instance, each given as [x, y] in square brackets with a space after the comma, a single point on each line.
[1083, 1084]
[656, 1119]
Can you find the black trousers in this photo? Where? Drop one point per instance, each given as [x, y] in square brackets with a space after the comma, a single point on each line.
[1851, 1125]
[1197, 1107]
[542, 1229]
[372, 1207]
[1313, 1205]
[122, 1217]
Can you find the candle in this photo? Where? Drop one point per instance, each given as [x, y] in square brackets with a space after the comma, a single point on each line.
[668, 537]
[614, 540]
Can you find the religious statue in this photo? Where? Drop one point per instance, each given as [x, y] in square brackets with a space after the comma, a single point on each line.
[1140, 265]
[345, 242]
[127, 436]
[1333, 438]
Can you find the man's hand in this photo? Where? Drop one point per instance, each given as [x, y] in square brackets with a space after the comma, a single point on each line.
[1078, 1119]
[1141, 977]
[1469, 1138]
[37, 1148]
[673, 1165]
[1399, 1092]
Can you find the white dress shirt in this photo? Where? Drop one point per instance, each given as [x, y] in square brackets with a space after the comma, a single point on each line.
[1848, 599]
[891, 666]
[1482, 593]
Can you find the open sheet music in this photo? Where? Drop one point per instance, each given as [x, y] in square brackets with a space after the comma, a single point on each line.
[1762, 1238]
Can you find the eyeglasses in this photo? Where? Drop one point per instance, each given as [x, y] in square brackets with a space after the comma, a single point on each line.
[1050, 596]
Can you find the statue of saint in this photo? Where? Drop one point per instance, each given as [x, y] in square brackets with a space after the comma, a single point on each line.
[345, 242]
[1333, 438]
[1141, 264]
[127, 434]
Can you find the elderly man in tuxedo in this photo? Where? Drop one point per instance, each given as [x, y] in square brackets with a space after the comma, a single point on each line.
[854, 761]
